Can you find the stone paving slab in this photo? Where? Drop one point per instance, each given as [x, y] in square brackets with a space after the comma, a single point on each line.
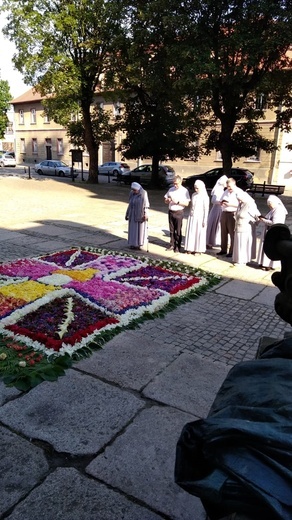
[22, 465]
[68, 495]
[26, 240]
[12, 251]
[10, 235]
[188, 383]
[52, 412]
[49, 246]
[246, 291]
[139, 360]
[140, 462]
[267, 296]
[7, 393]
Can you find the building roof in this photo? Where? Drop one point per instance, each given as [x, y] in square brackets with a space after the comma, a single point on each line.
[28, 96]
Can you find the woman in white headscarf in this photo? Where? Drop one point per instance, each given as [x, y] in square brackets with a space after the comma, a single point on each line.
[196, 231]
[137, 215]
[213, 225]
[276, 215]
[245, 217]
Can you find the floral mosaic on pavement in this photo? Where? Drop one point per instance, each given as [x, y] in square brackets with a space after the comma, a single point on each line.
[54, 308]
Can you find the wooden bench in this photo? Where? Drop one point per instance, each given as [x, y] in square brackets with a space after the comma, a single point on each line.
[267, 189]
[127, 179]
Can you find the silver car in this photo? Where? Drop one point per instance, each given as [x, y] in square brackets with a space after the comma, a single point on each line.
[51, 167]
[7, 159]
[113, 168]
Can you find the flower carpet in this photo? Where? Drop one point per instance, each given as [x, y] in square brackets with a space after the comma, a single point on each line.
[59, 307]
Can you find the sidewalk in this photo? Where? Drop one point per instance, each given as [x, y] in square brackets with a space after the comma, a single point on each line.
[99, 444]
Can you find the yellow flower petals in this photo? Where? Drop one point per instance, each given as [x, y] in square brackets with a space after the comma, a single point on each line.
[81, 276]
[28, 291]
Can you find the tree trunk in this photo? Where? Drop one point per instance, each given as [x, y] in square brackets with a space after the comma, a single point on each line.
[91, 146]
[154, 175]
[225, 144]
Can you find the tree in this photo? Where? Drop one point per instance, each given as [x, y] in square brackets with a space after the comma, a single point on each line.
[65, 48]
[5, 98]
[233, 52]
[158, 119]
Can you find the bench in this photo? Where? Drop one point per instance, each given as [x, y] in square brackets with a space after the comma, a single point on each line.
[126, 179]
[267, 189]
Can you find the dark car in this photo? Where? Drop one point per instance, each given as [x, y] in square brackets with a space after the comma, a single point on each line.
[243, 177]
[143, 174]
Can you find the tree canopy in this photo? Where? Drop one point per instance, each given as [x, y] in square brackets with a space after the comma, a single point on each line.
[5, 98]
[233, 52]
[189, 72]
[65, 48]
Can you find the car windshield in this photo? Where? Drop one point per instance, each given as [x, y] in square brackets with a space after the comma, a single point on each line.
[60, 163]
[124, 165]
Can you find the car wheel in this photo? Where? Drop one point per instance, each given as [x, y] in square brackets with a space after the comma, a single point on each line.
[115, 172]
[40, 172]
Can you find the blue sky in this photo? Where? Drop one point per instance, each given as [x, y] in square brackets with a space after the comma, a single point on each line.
[14, 78]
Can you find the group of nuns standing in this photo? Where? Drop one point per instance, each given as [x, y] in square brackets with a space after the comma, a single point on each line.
[246, 218]
[206, 229]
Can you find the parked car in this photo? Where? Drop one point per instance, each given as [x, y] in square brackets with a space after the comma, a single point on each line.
[51, 167]
[113, 168]
[143, 175]
[7, 159]
[243, 177]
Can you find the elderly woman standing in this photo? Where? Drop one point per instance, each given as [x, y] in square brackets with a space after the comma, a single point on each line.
[276, 215]
[245, 217]
[213, 226]
[137, 215]
[195, 240]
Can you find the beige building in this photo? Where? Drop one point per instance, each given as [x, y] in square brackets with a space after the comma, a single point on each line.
[37, 138]
[7, 143]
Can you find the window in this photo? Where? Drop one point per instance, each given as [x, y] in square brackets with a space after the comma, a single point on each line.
[46, 118]
[60, 150]
[21, 117]
[22, 145]
[255, 157]
[9, 128]
[34, 146]
[117, 109]
[33, 116]
[261, 102]
[74, 117]
[218, 156]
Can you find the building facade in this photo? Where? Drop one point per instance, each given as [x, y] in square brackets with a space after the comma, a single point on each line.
[37, 138]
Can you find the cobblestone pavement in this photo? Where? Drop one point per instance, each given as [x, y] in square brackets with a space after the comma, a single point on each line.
[99, 444]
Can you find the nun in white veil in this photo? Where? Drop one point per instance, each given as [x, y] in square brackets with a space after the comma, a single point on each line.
[213, 226]
[276, 215]
[245, 217]
[196, 231]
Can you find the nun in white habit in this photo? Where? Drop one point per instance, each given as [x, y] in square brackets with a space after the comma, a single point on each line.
[213, 226]
[276, 215]
[196, 231]
[137, 215]
[245, 217]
